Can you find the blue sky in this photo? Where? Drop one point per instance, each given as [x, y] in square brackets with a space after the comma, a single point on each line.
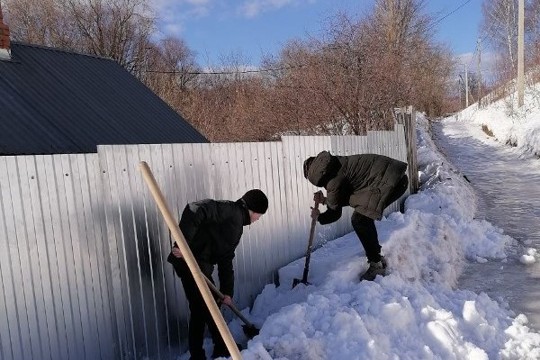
[251, 28]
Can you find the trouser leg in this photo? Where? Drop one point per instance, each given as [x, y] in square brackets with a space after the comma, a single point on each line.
[198, 311]
[367, 233]
[219, 345]
[199, 319]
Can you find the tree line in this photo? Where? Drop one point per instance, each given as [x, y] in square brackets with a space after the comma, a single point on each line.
[500, 29]
[348, 80]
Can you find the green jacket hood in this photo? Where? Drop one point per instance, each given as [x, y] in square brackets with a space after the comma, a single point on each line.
[320, 169]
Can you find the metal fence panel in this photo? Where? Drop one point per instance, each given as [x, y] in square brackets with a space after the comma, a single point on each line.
[83, 269]
[54, 278]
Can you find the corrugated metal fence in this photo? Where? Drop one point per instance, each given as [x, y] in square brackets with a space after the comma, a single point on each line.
[82, 246]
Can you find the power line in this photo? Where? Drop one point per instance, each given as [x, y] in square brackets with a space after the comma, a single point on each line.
[225, 72]
[447, 15]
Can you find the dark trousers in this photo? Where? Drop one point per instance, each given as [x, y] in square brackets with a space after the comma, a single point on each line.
[365, 229]
[199, 315]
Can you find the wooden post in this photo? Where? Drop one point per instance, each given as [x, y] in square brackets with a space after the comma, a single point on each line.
[466, 86]
[407, 117]
[412, 149]
[479, 46]
[190, 260]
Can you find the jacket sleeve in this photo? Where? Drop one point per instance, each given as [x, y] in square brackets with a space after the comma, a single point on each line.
[329, 216]
[225, 263]
[226, 276]
[337, 192]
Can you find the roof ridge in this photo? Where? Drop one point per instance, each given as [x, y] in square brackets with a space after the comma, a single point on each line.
[68, 51]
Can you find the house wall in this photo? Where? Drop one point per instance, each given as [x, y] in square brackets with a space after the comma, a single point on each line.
[82, 260]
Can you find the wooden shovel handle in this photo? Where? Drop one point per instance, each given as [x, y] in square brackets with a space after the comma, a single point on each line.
[231, 306]
[190, 261]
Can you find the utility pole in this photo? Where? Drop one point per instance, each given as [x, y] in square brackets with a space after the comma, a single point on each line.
[460, 92]
[521, 43]
[466, 87]
[479, 72]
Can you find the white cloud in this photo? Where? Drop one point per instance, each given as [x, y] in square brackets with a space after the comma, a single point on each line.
[174, 29]
[198, 2]
[173, 14]
[184, 8]
[252, 8]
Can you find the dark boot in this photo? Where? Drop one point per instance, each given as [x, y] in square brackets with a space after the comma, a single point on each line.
[198, 357]
[375, 268]
[222, 351]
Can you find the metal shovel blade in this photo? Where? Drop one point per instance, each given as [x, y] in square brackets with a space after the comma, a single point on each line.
[250, 330]
[298, 281]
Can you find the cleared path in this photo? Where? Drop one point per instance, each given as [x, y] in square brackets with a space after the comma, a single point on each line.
[508, 188]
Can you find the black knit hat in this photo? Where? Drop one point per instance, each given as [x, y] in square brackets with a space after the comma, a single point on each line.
[307, 164]
[256, 201]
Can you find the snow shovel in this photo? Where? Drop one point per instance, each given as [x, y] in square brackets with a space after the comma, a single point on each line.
[249, 329]
[308, 252]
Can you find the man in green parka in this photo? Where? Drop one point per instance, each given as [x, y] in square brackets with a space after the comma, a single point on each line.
[366, 182]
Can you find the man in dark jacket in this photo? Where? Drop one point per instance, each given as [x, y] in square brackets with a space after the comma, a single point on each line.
[212, 230]
[368, 183]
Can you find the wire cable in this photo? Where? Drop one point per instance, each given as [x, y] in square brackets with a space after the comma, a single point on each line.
[447, 15]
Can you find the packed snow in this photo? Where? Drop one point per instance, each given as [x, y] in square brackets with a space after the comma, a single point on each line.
[510, 124]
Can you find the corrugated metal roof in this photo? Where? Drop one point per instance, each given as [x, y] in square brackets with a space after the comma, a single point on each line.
[53, 101]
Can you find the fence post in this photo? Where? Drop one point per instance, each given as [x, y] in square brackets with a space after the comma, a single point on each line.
[407, 117]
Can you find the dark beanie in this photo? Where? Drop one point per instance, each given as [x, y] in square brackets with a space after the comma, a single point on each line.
[256, 201]
[307, 164]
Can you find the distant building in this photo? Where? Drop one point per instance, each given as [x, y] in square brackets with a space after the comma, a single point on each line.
[54, 101]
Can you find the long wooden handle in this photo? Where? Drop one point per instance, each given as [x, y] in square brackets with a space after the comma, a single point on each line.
[190, 260]
[233, 308]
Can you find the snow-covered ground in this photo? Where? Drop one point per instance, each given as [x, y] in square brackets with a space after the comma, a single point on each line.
[510, 124]
[507, 183]
[417, 311]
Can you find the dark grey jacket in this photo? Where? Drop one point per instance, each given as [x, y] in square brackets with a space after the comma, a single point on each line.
[363, 181]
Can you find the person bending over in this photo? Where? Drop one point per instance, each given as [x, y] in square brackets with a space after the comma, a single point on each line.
[213, 230]
[366, 182]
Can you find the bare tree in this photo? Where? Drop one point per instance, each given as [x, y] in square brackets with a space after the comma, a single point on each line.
[402, 22]
[39, 22]
[500, 24]
[532, 32]
[168, 69]
[363, 68]
[117, 29]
